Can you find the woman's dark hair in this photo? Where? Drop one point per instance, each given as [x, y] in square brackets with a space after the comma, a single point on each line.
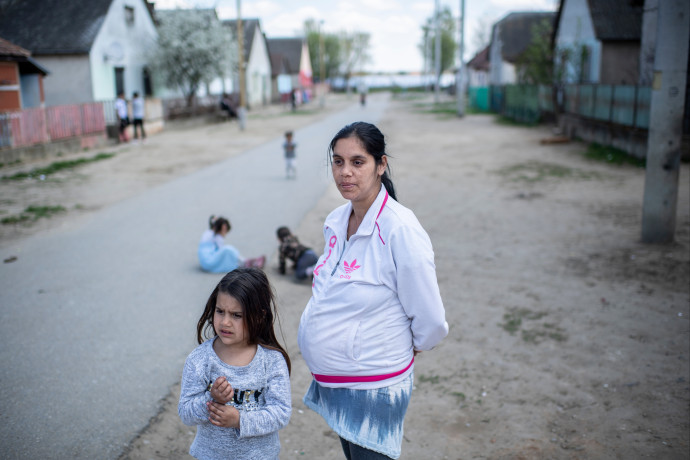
[216, 224]
[250, 287]
[373, 142]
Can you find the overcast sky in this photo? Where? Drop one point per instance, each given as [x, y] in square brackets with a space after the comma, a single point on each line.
[394, 25]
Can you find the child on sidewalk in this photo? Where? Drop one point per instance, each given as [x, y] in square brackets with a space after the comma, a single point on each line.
[289, 147]
[236, 384]
[303, 258]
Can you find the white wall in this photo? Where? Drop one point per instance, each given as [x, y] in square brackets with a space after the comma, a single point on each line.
[575, 30]
[258, 72]
[69, 80]
[119, 44]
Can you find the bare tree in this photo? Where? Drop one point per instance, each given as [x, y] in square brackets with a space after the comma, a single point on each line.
[354, 49]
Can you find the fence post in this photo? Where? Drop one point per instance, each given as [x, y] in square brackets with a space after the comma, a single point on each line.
[634, 120]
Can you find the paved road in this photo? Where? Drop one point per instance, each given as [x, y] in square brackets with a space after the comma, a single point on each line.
[96, 320]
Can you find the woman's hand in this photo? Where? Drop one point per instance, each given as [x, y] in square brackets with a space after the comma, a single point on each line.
[221, 390]
[222, 415]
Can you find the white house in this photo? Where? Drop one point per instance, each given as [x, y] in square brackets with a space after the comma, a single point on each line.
[256, 61]
[93, 48]
[291, 65]
[603, 37]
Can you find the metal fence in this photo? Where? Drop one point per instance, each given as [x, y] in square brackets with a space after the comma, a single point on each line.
[40, 125]
[623, 105]
[618, 104]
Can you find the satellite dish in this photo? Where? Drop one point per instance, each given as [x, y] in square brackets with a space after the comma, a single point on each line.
[115, 52]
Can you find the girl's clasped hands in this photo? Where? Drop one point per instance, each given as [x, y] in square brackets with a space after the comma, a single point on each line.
[219, 413]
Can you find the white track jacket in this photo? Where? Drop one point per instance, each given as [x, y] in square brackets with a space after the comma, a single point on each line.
[375, 299]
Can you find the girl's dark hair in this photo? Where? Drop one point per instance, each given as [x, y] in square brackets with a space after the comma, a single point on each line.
[250, 287]
[373, 142]
[216, 223]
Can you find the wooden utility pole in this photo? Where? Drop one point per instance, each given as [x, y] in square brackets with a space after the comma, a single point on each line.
[666, 121]
[242, 111]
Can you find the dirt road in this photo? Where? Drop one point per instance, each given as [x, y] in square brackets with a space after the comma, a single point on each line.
[569, 338]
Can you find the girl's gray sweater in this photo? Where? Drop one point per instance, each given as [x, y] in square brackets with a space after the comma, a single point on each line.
[262, 395]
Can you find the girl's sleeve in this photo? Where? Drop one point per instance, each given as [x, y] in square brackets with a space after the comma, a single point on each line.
[417, 286]
[193, 395]
[276, 413]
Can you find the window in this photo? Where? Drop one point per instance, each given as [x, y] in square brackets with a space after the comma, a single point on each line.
[129, 15]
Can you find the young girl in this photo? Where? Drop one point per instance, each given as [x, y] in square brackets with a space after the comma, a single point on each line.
[236, 384]
[217, 257]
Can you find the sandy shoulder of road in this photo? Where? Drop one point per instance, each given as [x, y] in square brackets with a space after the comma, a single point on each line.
[568, 337]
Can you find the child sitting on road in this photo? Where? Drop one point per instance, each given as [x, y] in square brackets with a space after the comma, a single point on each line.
[236, 384]
[217, 257]
[303, 258]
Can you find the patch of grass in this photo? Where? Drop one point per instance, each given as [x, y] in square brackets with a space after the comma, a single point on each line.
[513, 322]
[433, 379]
[537, 171]
[460, 396]
[57, 166]
[513, 319]
[612, 155]
[33, 213]
[469, 110]
[506, 121]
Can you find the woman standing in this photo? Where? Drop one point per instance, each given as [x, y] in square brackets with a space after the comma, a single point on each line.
[375, 303]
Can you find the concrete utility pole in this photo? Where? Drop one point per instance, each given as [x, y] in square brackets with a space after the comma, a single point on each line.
[437, 58]
[242, 111]
[459, 83]
[665, 121]
[322, 68]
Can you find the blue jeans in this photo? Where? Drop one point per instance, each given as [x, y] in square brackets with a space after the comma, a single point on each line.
[307, 259]
[355, 452]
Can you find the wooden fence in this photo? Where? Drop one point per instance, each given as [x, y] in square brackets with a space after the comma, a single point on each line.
[41, 125]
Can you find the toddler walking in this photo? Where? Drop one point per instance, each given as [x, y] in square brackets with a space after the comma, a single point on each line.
[289, 147]
[236, 383]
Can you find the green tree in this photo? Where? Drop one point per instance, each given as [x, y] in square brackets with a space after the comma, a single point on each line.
[535, 65]
[331, 48]
[193, 48]
[448, 44]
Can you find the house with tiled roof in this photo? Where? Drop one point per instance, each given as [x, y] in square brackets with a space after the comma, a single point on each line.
[93, 48]
[510, 37]
[478, 68]
[257, 63]
[21, 78]
[291, 65]
[603, 38]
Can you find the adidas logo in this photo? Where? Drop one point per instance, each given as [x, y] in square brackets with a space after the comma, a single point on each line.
[352, 266]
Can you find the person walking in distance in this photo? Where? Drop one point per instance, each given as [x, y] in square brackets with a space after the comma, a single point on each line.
[290, 155]
[138, 116]
[122, 116]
